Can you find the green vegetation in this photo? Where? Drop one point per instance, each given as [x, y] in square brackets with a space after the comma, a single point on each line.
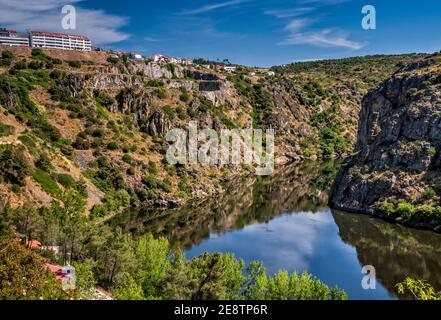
[328, 124]
[427, 213]
[13, 165]
[6, 58]
[47, 182]
[23, 276]
[259, 98]
[74, 64]
[420, 289]
[160, 273]
[366, 72]
[6, 130]
[156, 83]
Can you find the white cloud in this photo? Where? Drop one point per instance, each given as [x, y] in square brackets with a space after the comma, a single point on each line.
[211, 7]
[289, 13]
[101, 27]
[330, 37]
[151, 39]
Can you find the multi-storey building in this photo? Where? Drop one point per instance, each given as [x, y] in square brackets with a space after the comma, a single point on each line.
[12, 38]
[55, 40]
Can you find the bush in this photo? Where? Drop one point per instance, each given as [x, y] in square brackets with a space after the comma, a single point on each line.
[37, 52]
[113, 60]
[47, 183]
[184, 97]
[36, 65]
[74, 64]
[154, 83]
[160, 93]
[13, 165]
[127, 159]
[7, 55]
[66, 181]
[112, 146]
[44, 163]
[20, 65]
[153, 170]
[6, 130]
[150, 182]
[22, 275]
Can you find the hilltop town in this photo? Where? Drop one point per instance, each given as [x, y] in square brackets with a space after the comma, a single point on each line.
[63, 41]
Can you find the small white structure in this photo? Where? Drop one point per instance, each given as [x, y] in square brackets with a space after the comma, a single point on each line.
[271, 73]
[136, 56]
[230, 68]
[252, 73]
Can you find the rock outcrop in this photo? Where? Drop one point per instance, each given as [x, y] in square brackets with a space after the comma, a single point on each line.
[158, 124]
[398, 145]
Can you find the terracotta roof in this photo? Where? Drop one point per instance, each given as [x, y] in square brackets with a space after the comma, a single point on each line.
[56, 269]
[33, 244]
[57, 34]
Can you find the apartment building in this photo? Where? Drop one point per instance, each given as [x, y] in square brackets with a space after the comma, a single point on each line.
[12, 38]
[55, 40]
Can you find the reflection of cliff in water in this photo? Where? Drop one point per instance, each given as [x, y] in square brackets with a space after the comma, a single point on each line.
[396, 252]
[246, 201]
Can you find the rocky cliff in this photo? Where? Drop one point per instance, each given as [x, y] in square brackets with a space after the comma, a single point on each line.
[395, 172]
[93, 125]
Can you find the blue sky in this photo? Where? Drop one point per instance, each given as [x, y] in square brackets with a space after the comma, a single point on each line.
[251, 32]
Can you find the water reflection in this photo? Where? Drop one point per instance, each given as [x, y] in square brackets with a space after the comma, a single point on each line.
[395, 251]
[246, 201]
[284, 221]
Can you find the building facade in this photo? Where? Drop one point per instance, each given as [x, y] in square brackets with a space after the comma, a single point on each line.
[12, 38]
[55, 40]
[167, 59]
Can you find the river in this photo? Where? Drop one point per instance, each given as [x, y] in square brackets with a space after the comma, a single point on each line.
[284, 221]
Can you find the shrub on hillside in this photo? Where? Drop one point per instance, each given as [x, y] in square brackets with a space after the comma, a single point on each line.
[13, 165]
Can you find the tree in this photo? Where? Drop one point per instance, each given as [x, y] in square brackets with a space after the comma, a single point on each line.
[420, 289]
[23, 276]
[85, 281]
[218, 276]
[13, 166]
[130, 290]
[152, 256]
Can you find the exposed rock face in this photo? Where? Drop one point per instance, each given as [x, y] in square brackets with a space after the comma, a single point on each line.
[155, 70]
[74, 82]
[202, 76]
[111, 81]
[11, 96]
[187, 84]
[398, 145]
[131, 101]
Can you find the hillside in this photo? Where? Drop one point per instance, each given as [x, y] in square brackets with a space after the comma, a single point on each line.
[88, 126]
[82, 139]
[395, 171]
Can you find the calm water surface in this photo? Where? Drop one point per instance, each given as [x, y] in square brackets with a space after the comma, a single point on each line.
[284, 221]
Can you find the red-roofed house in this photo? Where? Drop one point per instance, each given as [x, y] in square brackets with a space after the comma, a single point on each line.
[33, 244]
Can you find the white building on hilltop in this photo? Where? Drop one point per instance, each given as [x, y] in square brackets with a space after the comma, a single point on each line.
[168, 59]
[12, 38]
[55, 40]
[230, 68]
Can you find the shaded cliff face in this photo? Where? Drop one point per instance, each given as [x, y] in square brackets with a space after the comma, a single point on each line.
[398, 144]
